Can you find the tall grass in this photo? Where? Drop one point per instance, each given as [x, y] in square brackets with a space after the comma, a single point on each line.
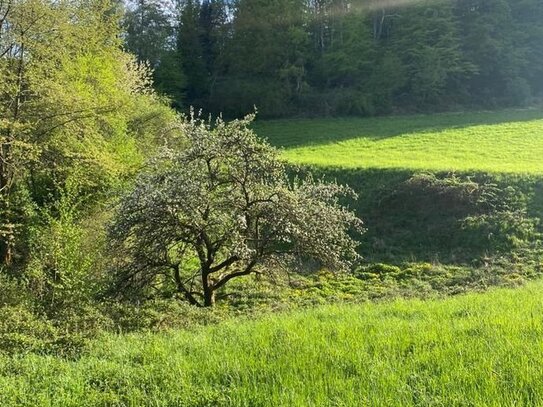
[473, 350]
[507, 141]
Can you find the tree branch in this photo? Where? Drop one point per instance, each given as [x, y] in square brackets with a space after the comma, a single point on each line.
[248, 270]
[224, 264]
[181, 287]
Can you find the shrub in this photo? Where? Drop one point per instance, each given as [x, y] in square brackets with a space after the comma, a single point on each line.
[23, 331]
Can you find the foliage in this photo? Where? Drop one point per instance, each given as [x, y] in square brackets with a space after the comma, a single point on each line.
[69, 101]
[223, 208]
[471, 219]
[23, 331]
[348, 57]
[77, 119]
[148, 32]
[63, 263]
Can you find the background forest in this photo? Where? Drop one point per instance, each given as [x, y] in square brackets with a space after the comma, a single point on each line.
[340, 57]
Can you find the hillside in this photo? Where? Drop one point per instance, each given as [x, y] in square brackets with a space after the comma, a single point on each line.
[498, 142]
[156, 251]
[459, 188]
[477, 350]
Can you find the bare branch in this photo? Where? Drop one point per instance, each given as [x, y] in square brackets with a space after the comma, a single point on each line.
[181, 287]
[248, 270]
[227, 263]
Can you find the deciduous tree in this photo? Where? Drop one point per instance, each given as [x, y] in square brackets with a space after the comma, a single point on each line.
[72, 105]
[224, 208]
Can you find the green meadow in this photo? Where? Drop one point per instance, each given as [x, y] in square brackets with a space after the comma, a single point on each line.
[497, 142]
[395, 332]
[156, 252]
[473, 350]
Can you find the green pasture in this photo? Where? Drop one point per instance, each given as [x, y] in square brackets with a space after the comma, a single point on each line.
[500, 142]
[473, 350]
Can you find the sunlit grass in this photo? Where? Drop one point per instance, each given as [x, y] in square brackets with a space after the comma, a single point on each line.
[473, 350]
[506, 141]
[476, 350]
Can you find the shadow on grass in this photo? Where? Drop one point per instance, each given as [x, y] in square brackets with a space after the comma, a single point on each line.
[306, 132]
[460, 219]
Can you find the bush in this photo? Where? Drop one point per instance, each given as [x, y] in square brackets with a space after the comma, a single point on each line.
[159, 315]
[23, 331]
[378, 270]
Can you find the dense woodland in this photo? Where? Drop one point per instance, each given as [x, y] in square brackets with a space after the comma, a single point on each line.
[78, 117]
[340, 57]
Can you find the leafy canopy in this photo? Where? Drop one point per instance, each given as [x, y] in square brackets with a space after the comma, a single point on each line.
[78, 116]
[224, 207]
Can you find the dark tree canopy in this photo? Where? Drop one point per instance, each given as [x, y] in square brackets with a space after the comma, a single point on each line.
[148, 31]
[221, 208]
[358, 57]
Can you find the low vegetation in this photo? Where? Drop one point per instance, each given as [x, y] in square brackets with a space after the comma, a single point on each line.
[477, 350]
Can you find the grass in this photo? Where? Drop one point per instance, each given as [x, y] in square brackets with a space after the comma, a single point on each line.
[410, 222]
[498, 142]
[473, 350]
[470, 350]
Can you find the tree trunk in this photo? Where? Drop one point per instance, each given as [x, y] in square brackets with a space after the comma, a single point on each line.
[7, 172]
[181, 287]
[6, 226]
[6, 250]
[209, 291]
[209, 298]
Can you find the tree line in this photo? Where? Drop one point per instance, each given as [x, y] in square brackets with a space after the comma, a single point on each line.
[340, 57]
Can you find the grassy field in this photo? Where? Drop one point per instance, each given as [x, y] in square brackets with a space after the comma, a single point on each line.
[473, 350]
[507, 141]
[479, 349]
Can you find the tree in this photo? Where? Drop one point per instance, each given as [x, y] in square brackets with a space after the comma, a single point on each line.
[190, 48]
[214, 35]
[362, 57]
[169, 78]
[428, 44]
[149, 32]
[488, 34]
[266, 58]
[73, 107]
[223, 208]
[528, 15]
[150, 35]
[345, 62]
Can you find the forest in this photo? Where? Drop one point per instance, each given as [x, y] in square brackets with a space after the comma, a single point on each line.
[271, 203]
[340, 57]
